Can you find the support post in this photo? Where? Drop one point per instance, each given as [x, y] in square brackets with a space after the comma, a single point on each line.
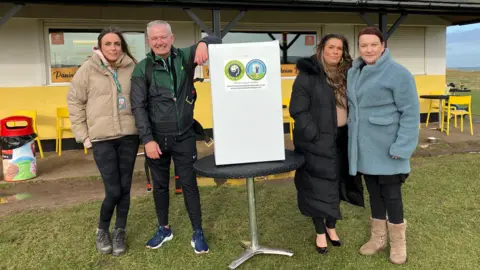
[382, 25]
[366, 19]
[217, 27]
[232, 23]
[10, 13]
[200, 23]
[396, 24]
[216, 22]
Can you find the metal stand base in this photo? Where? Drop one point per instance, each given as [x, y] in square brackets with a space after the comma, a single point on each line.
[253, 248]
[249, 253]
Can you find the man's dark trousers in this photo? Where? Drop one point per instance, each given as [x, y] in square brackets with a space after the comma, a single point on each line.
[183, 150]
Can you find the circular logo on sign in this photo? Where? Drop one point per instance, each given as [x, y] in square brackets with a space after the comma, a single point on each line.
[234, 70]
[256, 69]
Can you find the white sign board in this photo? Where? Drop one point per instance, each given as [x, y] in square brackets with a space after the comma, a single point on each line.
[247, 102]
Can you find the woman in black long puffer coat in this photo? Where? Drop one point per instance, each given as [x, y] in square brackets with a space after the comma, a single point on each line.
[319, 107]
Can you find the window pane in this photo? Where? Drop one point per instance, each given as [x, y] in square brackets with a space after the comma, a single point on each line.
[303, 46]
[69, 49]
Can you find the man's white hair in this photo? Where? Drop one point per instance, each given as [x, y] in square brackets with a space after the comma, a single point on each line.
[159, 22]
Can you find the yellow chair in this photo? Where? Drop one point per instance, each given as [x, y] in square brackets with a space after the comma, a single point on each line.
[62, 115]
[459, 100]
[287, 117]
[32, 114]
[435, 105]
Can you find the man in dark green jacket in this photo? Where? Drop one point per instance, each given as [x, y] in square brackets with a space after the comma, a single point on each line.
[163, 99]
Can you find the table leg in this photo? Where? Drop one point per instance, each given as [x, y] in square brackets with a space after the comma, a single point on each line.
[254, 248]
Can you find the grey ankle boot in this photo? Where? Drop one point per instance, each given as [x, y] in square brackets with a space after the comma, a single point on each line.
[103, 241]
[119, 244]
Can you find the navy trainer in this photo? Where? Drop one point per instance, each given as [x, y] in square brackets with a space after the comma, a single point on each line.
[161, 236]
[198, 242]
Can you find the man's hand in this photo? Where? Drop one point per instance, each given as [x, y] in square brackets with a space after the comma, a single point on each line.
[152, 150]
[201, 54]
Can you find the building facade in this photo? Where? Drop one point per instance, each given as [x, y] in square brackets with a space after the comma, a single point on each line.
[42, 46]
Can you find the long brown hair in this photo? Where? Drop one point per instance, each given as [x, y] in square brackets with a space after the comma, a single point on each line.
[114, 30]
[336, 78]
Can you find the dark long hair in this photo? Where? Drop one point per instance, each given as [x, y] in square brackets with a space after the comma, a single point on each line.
[115, 30]
[336, 78]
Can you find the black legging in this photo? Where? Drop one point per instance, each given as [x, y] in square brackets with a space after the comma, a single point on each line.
[115, 160]
[330, 223]
[385, 199]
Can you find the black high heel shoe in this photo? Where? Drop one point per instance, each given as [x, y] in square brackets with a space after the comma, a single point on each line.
[335, 243]
[321, 250]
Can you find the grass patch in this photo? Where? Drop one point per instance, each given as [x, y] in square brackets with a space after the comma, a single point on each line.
[4, 185]
[441, 206]
[470, 80]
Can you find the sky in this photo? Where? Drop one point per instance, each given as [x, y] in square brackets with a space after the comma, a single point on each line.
[463, 48]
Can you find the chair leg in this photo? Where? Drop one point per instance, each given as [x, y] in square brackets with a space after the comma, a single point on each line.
[461, 123]
[40, 148]
[455, 121]
[471, 122]
[60, 134]
[428, 114]
[85, 150]
[448, 121]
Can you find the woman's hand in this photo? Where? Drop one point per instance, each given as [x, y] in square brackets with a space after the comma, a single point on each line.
[87, 143]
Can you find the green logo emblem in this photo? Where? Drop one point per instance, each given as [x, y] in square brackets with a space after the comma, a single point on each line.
[234, 70]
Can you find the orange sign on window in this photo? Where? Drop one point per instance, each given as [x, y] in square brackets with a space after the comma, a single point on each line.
[309, 40]
[63, 74]
[57, 38]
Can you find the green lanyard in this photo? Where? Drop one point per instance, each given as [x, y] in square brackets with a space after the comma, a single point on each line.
[115, 78]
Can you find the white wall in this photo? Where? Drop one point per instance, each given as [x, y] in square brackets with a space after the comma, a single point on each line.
[23, 47]
[435, 50]
[22, 57]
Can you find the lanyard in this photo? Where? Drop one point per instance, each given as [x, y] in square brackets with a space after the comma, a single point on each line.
[115, 79]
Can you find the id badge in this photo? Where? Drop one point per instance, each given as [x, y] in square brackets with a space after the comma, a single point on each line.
[122, 104]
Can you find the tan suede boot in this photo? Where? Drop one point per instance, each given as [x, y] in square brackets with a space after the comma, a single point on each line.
[378, 237]
[398, 242]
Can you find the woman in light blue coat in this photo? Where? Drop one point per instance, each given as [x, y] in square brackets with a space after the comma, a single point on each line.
[383, 133]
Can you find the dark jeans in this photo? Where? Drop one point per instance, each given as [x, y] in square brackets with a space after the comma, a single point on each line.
[115, 160]
[385, 198]
[330, 222]
[183, 150]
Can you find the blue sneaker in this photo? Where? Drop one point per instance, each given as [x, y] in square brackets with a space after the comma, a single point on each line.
[163, 235]
[198, 242]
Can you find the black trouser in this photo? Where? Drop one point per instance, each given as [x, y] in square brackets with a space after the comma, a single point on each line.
[115, 160]
[385, 198]
[330, 223]
[183, 150]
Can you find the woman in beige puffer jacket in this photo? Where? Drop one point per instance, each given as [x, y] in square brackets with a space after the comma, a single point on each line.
[99, 107]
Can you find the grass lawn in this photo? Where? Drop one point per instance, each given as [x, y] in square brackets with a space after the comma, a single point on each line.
[469, 79]
[442, 207]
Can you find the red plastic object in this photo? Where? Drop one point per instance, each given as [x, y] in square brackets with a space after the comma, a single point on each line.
[14, 131]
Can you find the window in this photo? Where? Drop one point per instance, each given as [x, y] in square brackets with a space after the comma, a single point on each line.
[294, 45]
[70, 48]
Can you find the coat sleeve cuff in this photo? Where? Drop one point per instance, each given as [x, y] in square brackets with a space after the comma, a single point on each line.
[400, 153]
[147, 138]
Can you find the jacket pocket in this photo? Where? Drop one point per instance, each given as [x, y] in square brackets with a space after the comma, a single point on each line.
[381, 120]
[163, 108]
